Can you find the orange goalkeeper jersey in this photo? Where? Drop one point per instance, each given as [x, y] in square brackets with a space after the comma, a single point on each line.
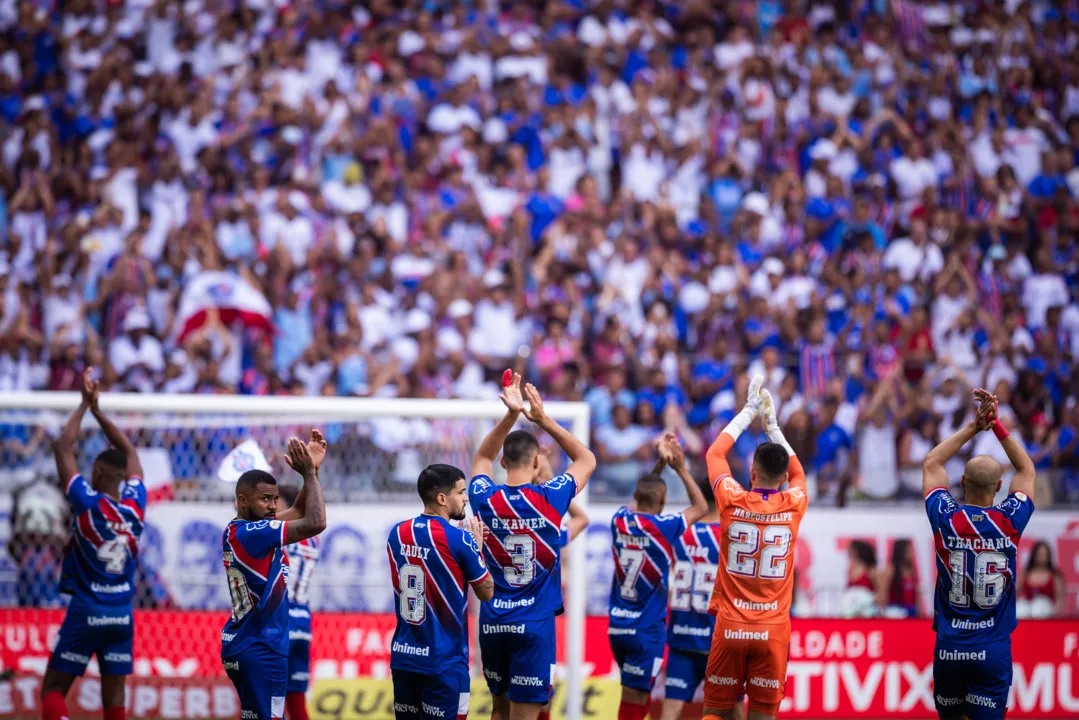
[755, 581]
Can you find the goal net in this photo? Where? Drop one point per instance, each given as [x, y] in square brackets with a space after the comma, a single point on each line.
[377, 448]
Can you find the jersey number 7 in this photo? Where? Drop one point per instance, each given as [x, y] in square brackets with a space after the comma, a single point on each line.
[746, 557]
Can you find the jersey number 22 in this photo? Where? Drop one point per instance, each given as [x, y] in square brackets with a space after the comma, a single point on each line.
[746, 557]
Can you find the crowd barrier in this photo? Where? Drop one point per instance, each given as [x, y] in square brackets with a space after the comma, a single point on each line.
[838, 668]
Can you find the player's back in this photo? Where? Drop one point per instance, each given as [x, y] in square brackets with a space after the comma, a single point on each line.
[976, 566]
[643, 547]
[696, 562]
[755, 582]
[257, 571]
[432, 563]
[523, 548]
[100, 559]
[303, 557]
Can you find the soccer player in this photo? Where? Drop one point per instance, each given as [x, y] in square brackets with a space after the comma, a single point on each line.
[578, 521]
[302, 556]
[99, 564]
[255, 640]
[690, 626]
[517, 628]
[976, 545]
[643, 541]
[432, 563]
[755, 581]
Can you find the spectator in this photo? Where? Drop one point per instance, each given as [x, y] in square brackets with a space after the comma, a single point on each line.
[1042, 592]
[860, 597]
[899, 583]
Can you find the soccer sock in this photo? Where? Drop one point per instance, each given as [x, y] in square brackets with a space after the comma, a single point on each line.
[296, 706]
[115, 713]
[545, 716]
[53, 707]
[629, 711]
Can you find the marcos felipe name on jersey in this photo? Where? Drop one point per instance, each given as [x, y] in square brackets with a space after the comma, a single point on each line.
[643, 547]
[99, 575]
[432, 563]
[974, 604]
[517, 635]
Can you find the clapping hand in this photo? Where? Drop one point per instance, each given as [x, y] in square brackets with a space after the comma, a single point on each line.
[511, 391]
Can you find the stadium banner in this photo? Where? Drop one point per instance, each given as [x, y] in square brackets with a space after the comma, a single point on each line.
[146, 698]
[838, 668]
[181, 550]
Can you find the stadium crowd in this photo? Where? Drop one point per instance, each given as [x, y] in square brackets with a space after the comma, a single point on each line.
[872, 203]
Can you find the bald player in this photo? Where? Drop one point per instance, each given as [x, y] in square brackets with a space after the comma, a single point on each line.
[976, 544]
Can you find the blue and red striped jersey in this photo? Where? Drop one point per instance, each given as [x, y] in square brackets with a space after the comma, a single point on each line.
[523, 547]
[99, 561]
[432, 563]
[643, 547]
[696, 560]
[302, 557]
[257, 570]
[976, 565]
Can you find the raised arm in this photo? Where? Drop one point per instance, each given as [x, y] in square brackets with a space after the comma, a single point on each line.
[676, 457]
[933, 473]
[63, 446]
[313, 520]
[316, 447]
[796, 474]
[716, 457]
[118, 439]
[582, 460]
[1024, 467]
[484, 462]
[578, 521]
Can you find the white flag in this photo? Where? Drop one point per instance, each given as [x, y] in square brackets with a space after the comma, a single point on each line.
[246, 456]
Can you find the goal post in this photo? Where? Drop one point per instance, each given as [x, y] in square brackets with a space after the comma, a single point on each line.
[149, 416]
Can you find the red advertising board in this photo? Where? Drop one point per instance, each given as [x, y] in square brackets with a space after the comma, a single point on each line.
[838, 668]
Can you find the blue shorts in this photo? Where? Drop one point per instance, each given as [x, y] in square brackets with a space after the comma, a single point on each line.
[89, 630]
[260, 676]
[518, 659]
[639, 656]
[686, 670]
[299, 649]
[972, 680]
[417, 696]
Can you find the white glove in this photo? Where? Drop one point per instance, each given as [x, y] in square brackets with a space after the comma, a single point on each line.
[741, 421]
[771, 425]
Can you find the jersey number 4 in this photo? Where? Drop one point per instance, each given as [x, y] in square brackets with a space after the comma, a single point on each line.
[746, 557]
[113, 553]
[987, 579]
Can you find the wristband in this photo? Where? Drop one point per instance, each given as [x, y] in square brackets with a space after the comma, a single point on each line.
[999, 430]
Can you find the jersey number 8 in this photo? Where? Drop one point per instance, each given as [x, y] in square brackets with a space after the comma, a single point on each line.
[746, 558]
[413, 602]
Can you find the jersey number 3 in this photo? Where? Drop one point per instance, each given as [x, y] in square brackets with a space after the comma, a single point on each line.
[746, 557]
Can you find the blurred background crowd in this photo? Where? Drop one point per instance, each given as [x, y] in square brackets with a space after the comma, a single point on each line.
[635, 202]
